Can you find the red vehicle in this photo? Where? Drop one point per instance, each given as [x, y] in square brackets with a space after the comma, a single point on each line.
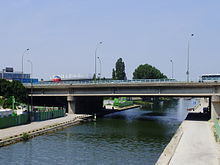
[56, 79]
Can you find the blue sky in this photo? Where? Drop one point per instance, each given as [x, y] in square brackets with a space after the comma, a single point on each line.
[62, 35]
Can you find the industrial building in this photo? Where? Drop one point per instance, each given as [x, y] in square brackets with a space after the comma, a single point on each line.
[9, 74]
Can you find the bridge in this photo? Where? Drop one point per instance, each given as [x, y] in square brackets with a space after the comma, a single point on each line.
[88, 95]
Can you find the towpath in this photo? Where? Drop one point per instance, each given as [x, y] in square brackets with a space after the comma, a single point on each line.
[194, 142]
[17, 130]
[197, 145]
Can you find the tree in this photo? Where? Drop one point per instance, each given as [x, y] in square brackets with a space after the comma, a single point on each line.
[14, 88]
[119, 71]
[93, 77]
[113, 74]
[19, 91]
[147, 72]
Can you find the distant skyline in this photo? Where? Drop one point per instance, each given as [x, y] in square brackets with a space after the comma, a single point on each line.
[62, 36]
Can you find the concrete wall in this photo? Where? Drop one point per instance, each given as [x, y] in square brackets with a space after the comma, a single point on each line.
[215, 106]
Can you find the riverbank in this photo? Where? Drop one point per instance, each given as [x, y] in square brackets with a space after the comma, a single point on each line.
[23, 132]
[193, 143]
[15, 134]
[128, 137]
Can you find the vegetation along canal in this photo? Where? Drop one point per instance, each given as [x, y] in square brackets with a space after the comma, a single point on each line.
[136, 136]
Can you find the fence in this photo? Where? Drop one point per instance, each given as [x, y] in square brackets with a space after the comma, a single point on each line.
[45, 115]
[40, 114]
[101, 82]
[13, 120]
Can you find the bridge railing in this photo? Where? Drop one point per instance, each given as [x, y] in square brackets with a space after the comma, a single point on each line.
[79, 82]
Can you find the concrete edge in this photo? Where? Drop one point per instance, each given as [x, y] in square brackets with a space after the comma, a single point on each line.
[41, 131]
[170, 149]
[128, 107]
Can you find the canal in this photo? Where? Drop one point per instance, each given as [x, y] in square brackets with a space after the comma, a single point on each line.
[135, 136]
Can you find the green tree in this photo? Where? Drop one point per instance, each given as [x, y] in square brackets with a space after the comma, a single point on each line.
[14, 88]
[147, 72]
[5, 88]
[93, 77]
[119, 71]
[113, 74]
[19, 91]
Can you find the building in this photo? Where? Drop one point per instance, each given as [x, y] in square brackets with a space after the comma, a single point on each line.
[9, 74]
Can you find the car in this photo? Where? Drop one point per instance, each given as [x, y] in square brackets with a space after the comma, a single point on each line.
[56, 79]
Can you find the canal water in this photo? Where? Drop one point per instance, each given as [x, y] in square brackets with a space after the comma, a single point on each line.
[135, 136]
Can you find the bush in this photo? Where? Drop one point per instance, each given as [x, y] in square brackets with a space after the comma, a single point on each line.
[25, 136]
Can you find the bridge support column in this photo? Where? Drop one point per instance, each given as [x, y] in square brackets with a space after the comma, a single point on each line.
[71, 104]
[215, 107]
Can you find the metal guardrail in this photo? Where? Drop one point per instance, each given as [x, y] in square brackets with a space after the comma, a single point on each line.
[86, 82]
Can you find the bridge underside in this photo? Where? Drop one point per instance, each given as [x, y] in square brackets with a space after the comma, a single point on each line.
[78, 105]
[88, 98]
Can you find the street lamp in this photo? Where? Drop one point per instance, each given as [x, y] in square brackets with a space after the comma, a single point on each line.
[96, 57]
[187, 72]
[31, 67]
[100, 64]
[3, 70]
[31, 77]
[22, 64]
[172, 67]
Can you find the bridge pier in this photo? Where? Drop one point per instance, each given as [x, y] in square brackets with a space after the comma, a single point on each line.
[215, 107]
[71, 104]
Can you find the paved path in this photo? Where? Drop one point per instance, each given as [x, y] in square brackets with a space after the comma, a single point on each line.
[12, 131]
[193, 143]
[197, 145]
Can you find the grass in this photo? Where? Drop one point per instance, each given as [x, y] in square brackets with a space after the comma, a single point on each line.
[25, 136]
[139, 102]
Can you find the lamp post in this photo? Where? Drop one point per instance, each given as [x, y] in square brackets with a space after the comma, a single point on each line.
[31, 77]
[187, 72]
[96, 57]
[171, 68]
[22, 64]
[3, 73]
[100, 64]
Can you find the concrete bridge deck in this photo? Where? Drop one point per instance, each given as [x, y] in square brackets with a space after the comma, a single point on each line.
[127, 89]
[95, 84]
[90, 93]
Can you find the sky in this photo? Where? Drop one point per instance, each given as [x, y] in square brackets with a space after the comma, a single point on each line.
[62, 36]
